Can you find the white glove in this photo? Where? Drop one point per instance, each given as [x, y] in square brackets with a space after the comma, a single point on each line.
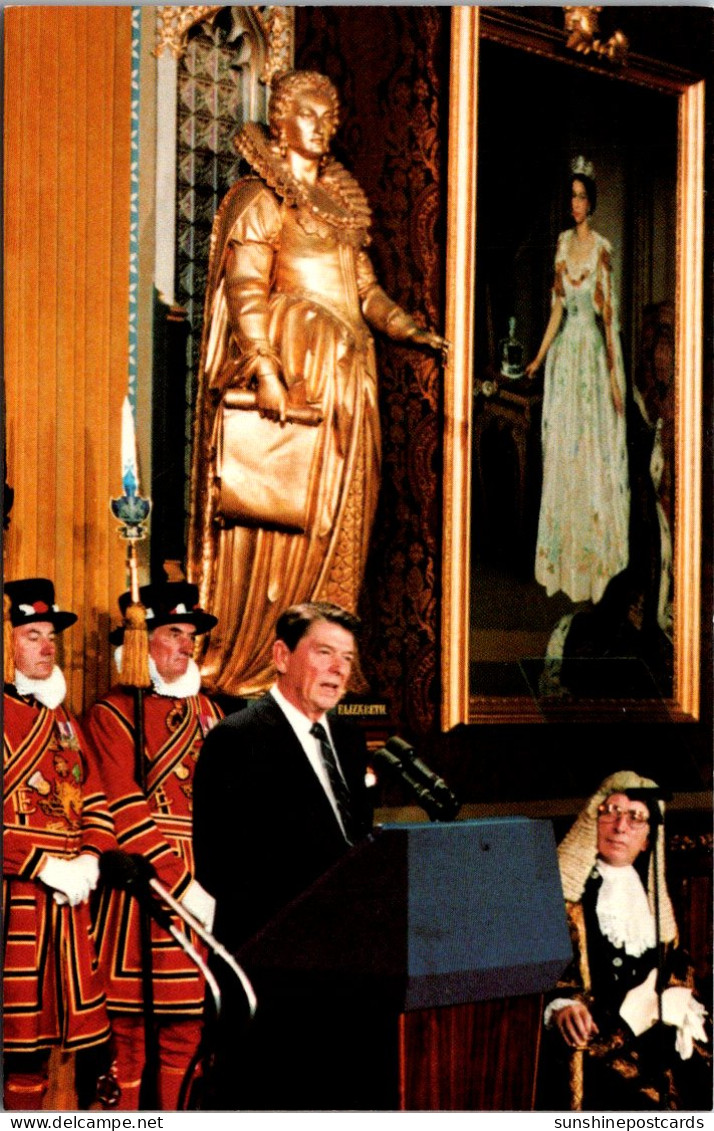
[73, 879]
[88, 866]
[639, 1008]
[200, 904]
[681, 1008]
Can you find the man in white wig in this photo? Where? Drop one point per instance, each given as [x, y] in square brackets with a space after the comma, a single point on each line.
[624, 1030]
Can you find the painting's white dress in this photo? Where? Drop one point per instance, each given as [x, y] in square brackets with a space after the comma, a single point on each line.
[585, 503]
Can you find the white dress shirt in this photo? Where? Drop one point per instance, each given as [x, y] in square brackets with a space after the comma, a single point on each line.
[311, 745]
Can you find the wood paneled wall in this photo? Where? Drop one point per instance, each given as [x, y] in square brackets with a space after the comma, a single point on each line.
[67, 153]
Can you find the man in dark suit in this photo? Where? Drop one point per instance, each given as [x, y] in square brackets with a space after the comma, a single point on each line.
[279, 796]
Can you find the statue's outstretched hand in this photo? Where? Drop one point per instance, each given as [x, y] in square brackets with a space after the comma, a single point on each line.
[272, 397]
[430, 338]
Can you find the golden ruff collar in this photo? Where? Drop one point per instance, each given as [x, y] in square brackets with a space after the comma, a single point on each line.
[336, 200]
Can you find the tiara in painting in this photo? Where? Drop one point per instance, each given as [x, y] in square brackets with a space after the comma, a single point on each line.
[585, 168]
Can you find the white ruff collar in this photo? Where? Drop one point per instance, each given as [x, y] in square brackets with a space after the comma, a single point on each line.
[184, 687]
[49, 692]
[623, 911]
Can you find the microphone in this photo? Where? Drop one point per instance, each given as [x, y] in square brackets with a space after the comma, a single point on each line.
[404, 751]
[431, 791]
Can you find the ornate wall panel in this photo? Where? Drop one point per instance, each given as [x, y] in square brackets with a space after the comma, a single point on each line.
[390, 66]
[209, 115]
[220, 63]
[67, 157]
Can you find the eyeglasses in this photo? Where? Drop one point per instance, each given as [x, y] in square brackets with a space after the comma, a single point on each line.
[636, 817]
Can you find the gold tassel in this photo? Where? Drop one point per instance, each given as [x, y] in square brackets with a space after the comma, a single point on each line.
[8, 643]
[135, 651]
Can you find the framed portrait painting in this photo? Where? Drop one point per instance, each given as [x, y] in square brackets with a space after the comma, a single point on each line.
[573, 401]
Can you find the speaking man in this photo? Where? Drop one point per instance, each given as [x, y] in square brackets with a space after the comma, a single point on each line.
[279, 797]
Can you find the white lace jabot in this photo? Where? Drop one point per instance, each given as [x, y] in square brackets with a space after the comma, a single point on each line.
[623, 911]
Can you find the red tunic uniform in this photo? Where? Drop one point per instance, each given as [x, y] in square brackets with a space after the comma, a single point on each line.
[53, 804]
[158, 827]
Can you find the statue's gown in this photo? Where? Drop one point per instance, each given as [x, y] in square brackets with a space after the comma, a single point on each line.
[288, 278]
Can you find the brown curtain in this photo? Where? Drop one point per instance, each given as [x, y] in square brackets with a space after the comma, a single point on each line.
[67, 152]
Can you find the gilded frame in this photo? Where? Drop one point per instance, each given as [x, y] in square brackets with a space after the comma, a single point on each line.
[514, 29]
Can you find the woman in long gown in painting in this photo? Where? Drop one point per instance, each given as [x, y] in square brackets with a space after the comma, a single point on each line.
[585, 503]
[290, 301]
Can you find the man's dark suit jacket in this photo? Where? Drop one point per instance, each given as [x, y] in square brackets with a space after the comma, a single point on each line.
[263, 828]
[264, 831]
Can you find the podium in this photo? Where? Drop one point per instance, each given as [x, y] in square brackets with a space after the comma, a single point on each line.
[423, 953]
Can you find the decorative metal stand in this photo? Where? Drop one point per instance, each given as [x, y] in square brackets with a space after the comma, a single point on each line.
[132, 510]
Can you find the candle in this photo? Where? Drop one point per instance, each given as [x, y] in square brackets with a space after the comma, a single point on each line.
[129, 473]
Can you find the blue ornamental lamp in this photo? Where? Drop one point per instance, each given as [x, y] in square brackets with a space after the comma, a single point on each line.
[131, 508]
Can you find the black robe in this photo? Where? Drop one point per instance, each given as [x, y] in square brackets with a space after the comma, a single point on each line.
[620, 1072]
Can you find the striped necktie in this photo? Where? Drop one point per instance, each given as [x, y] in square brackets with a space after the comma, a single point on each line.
[339, 789]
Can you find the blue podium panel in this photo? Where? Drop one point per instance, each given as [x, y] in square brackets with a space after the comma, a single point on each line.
[430, 915]
[486, 917]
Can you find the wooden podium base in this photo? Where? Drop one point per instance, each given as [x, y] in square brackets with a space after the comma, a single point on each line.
[477, 1057]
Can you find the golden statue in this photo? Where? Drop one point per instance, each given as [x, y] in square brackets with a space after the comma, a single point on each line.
[286, 458]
